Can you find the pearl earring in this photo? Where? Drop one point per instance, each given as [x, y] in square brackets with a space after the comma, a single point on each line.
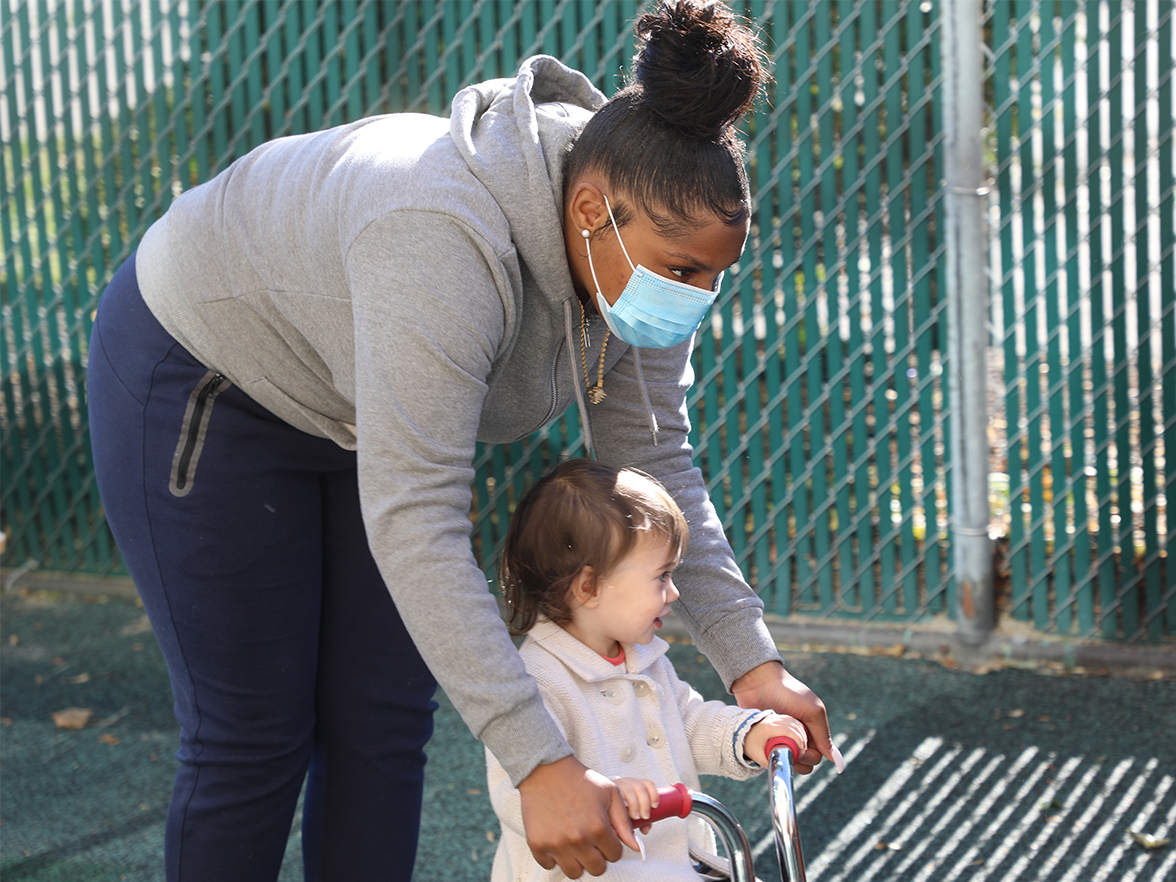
[585, 233]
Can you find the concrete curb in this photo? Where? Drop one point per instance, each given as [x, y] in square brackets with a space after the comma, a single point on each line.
[17, 578]
[945, 643]
[937, 643]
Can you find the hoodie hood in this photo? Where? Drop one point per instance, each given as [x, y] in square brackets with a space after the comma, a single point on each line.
[513, 134]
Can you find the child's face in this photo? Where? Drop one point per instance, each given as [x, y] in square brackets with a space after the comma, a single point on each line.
[631, 600]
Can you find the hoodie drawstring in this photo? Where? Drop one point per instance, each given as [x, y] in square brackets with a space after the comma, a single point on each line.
[653, 427]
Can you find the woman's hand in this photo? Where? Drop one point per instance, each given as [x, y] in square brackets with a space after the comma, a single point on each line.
[770, 687]
[574, 817]
[755, 745]
[640, 795]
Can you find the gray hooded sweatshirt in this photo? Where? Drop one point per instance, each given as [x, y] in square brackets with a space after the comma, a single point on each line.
[400, 286]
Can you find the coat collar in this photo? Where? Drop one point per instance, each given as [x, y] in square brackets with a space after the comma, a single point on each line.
[589, 665]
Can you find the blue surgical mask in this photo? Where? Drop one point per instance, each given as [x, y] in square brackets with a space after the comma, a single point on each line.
[652, 312]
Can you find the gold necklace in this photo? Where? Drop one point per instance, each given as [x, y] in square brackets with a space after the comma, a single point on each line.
[595, 393]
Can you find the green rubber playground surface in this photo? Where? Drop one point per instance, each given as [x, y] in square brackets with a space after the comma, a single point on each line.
[1013, 774]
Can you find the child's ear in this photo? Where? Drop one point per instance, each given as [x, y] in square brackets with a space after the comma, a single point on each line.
[583, 590]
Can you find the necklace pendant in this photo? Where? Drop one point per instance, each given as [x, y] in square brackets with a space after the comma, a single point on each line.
[596, 394]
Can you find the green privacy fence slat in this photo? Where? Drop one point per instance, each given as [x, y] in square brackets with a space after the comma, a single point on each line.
[1030, 377]
[1073, 489]
[1167, 280]
[1055, 386]
[1149, 575]
[820, 415]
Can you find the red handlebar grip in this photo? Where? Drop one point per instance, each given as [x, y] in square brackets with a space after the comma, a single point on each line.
[783, 741]
[673, 802]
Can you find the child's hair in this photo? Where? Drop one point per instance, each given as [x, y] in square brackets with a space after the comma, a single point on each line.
[581, 514]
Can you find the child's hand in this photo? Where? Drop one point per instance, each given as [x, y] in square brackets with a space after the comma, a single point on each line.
[756, 742]
[640, 797]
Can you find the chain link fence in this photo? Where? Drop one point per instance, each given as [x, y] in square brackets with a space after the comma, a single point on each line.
[821, 409]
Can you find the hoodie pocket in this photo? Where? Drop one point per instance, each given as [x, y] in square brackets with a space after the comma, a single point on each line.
[193, 430]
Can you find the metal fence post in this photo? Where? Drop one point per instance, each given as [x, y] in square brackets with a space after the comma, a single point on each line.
[967, 311]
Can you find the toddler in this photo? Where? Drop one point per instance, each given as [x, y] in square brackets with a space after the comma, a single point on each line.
[587, 571]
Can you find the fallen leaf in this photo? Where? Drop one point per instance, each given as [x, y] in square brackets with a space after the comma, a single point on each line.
[72, 717]
[896, 650]
[57, 661]
[1149, 843]
[78, 680]
[141, 625]
[1016, 713]
[489, 835]
[5, 721]
[473, 791]
[887, 846]
[107, 738]
[1052, 804]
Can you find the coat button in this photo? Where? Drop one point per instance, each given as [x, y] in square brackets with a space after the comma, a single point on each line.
[655, 738]
[627, 753]
[612, 695]
[641, 688]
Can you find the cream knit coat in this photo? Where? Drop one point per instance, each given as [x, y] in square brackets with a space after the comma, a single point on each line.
[637, 720]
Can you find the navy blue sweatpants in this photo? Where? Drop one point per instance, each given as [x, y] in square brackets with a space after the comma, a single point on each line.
[287, 657]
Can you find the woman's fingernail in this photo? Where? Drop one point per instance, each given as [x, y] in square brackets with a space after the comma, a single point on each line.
[838, 760]
[640, 845]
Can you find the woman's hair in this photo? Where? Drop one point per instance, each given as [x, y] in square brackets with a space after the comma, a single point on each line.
[668, 140]
[581, 514]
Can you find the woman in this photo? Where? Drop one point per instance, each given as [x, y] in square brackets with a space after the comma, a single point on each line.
[286, 386]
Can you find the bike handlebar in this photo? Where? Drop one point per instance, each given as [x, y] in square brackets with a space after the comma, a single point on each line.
[673, 802]
[783, 741]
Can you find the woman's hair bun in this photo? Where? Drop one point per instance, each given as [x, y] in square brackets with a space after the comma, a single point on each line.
[699, 68]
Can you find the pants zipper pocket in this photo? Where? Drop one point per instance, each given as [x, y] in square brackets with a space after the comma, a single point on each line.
[192, 432]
